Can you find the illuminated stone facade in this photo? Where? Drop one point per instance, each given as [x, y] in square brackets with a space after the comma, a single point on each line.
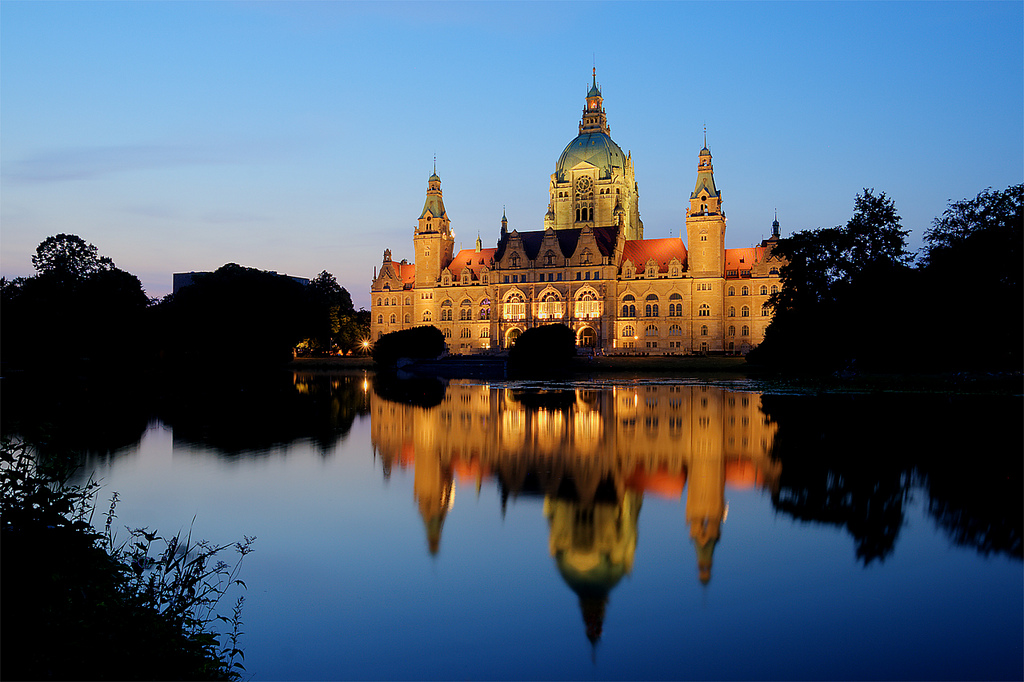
[590, 268]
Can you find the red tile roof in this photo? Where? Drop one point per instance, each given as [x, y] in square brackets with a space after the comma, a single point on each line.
[471, 259]
[742, 259]
[406, 272]
[661, 250]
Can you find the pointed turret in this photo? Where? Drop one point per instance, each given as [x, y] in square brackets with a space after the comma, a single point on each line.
[775, 227]
[705, 198]
[433, 238]
[705, 222]
[594, 119]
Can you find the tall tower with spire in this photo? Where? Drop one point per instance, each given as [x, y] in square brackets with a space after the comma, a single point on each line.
[593, 180]
[433, 239]
[705, 222]
[594, 119]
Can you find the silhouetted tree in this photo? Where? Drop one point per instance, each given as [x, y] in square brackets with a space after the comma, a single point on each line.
[239, 315]
[353, 330]
[841, 300]
[79, 306]
[328, 304]
[980, 237]
[69, 256]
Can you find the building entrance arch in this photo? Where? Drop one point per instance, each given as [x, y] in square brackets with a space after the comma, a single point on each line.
[511, 336]
[587, 338]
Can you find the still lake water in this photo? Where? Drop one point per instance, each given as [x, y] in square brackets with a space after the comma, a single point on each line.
[654, 529]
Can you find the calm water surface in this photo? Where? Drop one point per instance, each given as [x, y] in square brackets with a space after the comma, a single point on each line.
[598, 530]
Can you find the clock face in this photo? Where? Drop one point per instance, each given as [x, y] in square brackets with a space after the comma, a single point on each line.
[583, 184]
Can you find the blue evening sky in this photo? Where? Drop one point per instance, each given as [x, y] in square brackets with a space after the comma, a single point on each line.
[298, 137]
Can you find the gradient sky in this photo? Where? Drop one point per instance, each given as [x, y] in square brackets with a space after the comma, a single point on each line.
[298, 137]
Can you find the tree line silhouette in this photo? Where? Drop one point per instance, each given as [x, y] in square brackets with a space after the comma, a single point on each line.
[80, 309]
[852, 297]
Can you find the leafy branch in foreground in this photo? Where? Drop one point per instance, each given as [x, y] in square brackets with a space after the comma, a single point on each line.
[77, 605]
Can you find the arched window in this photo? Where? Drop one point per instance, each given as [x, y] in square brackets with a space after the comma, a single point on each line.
[394, 301]
[513, 260]
[732, 311]
[587, 305]
[393, 318]
[447, 333]
[732, 291]
[652, 330]
[446, 311]
[675, 305]
[549, 258]
[585, 256]
[407, 318]
[744, 311]
[380, 319]
[651, 309]
[775, 289]
[745, 330]
[515, 307]
[628, 306]
[379, 301]
[764, 290]
[408, 301]
[628, 331]
[703, 330]
[551, 306]
[466, 333]
[745, 291]
[764, 311]
[426, 316]
[732, 330]
[675, 330]
[704, 310]
[773, 271]
[485, 333]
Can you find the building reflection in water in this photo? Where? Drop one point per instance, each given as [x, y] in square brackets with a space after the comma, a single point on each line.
[593, 455]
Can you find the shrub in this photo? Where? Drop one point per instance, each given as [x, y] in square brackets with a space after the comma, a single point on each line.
[76, 605]
[545, 348]
[418, 342]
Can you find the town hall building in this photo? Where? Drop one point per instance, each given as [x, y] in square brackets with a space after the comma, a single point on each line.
[590, 268]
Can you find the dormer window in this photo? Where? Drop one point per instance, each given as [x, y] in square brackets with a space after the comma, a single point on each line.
[514, 260]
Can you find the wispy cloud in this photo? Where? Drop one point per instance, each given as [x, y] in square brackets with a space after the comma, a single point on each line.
[224, 217]
[84, 163]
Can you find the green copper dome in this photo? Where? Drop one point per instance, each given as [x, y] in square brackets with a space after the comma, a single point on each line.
[596, 148]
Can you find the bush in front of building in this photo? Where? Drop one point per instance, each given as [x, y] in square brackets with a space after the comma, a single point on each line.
[547, 348]
[416, 343]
